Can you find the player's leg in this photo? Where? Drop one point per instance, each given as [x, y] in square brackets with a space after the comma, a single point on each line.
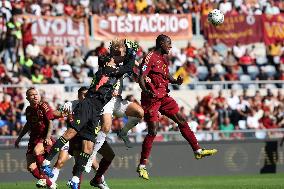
[151, 116]
[63, 157]
[32, 167]
[80, 162]
[68, 135]
[108, 155]
[170, 108]
[39, 153]
[146, 148]
[81, 116]
[106, 122]
[134, 112]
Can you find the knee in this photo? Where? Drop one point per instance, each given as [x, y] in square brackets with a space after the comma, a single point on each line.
[37, 151]
[31, 167]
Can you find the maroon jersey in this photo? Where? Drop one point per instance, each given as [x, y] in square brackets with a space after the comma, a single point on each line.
[156, 67]
[38, 118]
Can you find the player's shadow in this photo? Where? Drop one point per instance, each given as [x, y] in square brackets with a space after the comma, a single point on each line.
[270, 157]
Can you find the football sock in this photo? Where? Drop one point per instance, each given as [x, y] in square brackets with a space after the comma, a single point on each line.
[132, 122]
[36, 173]
[80, 163]
[146, 148]
[55, 172]
[56, 148]
[81, 179]
[189, 136]
[101, 137]
[103, 166]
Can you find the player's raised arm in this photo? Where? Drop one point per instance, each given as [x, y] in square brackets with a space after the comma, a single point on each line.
[48, 112]
[23, 132]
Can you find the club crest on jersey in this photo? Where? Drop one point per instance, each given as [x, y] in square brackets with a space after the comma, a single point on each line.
[144, 68]
[78, 121]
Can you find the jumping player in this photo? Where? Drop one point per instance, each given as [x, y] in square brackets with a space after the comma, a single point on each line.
[73, 147]
[155, 99]
[119, 108]
[87, 113]
[67, 110]
[39, 123]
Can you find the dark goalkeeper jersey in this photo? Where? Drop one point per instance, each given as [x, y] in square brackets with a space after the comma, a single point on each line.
[107, 77]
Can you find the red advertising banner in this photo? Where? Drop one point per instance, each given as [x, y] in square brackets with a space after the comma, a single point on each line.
[177, 26]
[59, 30]
[242, 28]
[273, 28]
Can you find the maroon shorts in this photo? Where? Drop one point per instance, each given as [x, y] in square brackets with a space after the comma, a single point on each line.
[32, 144]
[152, 106]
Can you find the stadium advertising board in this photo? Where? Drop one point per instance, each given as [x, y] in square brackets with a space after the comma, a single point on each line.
[59, 30]
[169, 159]
[273, 26]
[142, 26]
[243, 28]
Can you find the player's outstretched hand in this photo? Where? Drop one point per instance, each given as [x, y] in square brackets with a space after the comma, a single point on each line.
[179, 80]
[67, 107]
[17, 143]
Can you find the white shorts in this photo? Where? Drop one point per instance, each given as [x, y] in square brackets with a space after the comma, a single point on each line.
[116, 106]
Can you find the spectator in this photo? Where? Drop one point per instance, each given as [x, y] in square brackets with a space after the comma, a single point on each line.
[271, 8]
[274, 53]
[69, 50]
[76, 61]
[64, 71]
[27, 33]
[47, 51]
[245, 61]
[253, 120]
[268, 121]
[37, 77]
[239, 50]
[190, 50]
[47, 73]
[226, 126]
[232, 75]
[32, 49]
[220, 47]
[225, 6]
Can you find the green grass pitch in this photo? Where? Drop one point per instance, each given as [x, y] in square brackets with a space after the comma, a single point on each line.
[267, 181]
